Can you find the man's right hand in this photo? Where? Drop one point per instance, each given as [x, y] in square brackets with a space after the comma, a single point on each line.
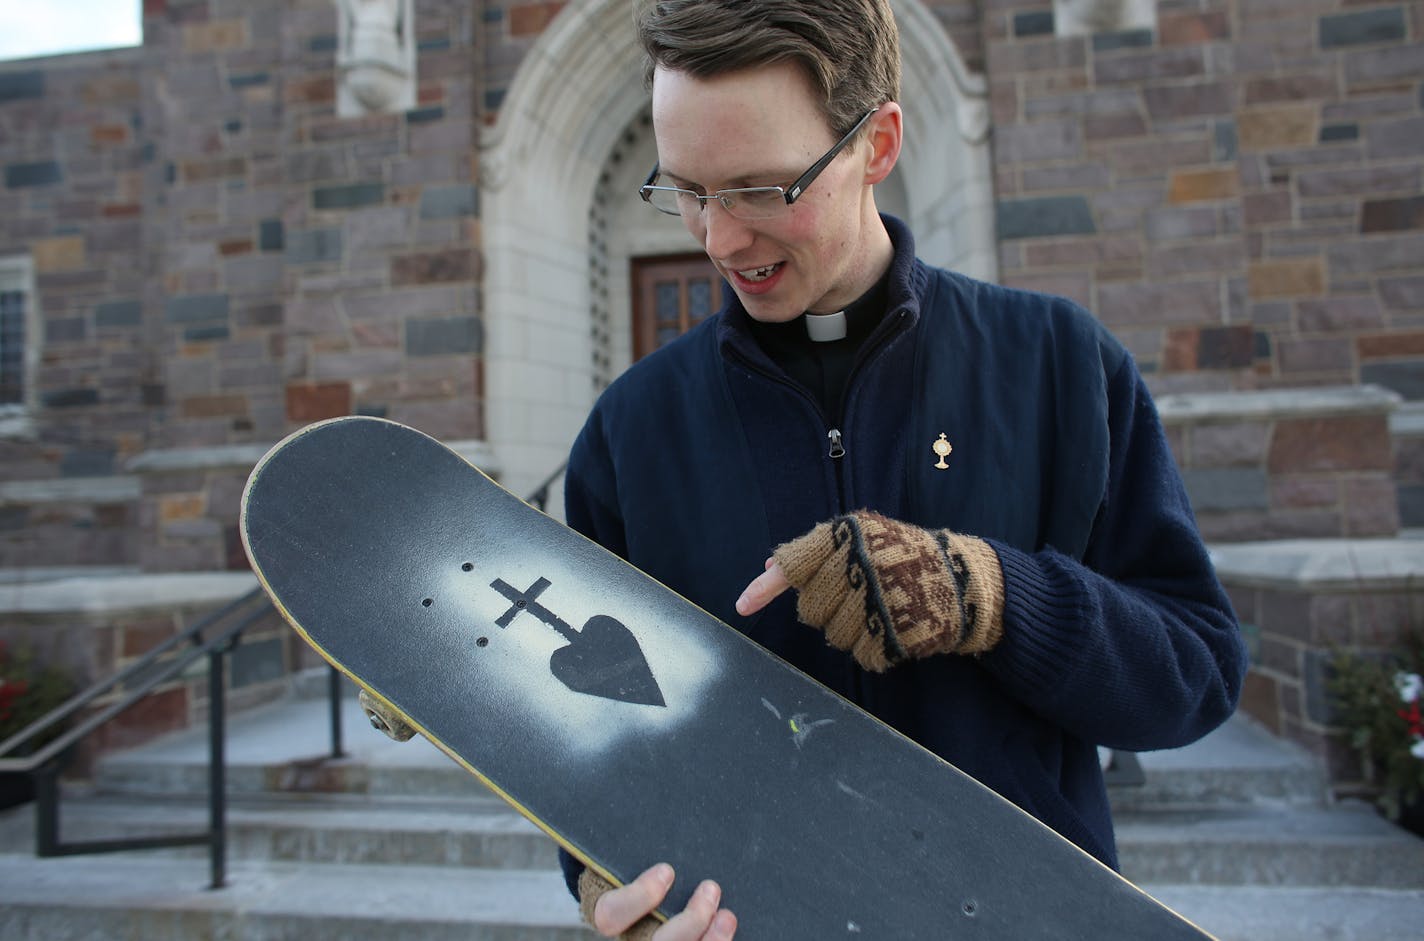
[617, 910]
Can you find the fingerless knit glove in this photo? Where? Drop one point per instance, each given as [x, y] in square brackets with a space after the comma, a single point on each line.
[593, 887]
[887, 591]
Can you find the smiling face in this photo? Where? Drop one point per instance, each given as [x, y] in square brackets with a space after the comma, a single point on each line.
[763, 127]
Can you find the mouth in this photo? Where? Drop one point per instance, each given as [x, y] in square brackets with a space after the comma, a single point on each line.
[757, 275]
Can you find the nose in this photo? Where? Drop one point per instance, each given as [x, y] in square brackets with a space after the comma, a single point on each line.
[723, 235]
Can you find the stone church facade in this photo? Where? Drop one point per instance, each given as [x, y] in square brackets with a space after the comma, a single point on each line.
[202, 249]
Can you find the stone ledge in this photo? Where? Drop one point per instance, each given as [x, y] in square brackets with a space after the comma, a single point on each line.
[107, 593]
[1320, 565]
[17, 426]
[1277, 404]
[61, 62]
[35, 576]
[1407, 421]
[479, 453]
[97, 490]
[177, 460]
[245, 456]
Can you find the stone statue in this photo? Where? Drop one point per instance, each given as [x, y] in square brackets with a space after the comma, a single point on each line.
[375, 57]
[1088, 17]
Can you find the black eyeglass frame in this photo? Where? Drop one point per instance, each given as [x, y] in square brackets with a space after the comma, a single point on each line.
[790, 195]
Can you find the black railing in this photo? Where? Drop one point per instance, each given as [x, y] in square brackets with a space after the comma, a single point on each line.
[539, 499]
[214, 636]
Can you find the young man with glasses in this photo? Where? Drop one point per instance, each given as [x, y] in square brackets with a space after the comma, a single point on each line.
[967, 486]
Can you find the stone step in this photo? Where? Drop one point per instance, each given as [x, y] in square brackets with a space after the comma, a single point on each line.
[132, 775]
[1343, 845]
[1347, 845]
[161, 898]
[1257, 913]
[476, 833]
[1238, 764]
[280, 748]
[284, 748]
[164, 898]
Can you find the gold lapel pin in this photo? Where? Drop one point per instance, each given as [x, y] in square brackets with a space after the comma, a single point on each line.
[942, 447]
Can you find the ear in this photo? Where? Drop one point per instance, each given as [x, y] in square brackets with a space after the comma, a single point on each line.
[885, 132]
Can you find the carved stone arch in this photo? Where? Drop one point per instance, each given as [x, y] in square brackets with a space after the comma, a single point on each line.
[560, 219]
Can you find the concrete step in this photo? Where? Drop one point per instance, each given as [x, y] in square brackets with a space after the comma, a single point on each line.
[1239, 763]
[1343, 845]
[1256, 913]
[1346, 845]
[285, 748]
[152, 897]
[1235, 830]
[476, 833]
[160, 898]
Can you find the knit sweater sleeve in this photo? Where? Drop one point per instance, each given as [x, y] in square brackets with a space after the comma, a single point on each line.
[1136, 646]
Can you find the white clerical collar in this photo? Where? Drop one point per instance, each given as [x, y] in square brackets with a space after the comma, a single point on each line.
[823, 328]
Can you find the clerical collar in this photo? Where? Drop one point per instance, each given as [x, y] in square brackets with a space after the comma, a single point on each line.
[826, 328]
[856, 321]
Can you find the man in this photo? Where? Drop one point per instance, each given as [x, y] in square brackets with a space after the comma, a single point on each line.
[968, 486]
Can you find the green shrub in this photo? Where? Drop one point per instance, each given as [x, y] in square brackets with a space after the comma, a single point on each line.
[29, 691]
[1378, 702]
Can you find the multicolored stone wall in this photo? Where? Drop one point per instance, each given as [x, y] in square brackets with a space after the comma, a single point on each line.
[220, 258]
[1236, 193]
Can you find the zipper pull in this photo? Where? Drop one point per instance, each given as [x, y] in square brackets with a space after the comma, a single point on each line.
[836, 449]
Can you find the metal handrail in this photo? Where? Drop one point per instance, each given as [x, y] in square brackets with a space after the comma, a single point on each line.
[146, 675]
[80, 700]
[539, 498]
[122, 678]
[45, 765]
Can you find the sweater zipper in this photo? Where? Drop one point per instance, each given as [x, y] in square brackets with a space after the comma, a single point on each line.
[836, 449]
[837, 440]
[834, 436]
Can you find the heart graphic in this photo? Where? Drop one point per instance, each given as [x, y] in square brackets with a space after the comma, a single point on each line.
[604, 660]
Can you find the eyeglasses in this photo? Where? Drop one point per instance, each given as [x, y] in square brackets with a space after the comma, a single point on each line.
[747, 202]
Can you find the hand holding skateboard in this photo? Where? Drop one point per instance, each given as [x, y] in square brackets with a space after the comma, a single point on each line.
[620, 909]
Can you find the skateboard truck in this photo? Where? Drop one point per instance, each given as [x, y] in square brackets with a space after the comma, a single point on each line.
[384, 719]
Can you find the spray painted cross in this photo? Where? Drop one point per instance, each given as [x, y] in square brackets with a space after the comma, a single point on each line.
[602, 660]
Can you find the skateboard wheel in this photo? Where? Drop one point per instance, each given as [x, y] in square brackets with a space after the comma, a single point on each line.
[384, 720]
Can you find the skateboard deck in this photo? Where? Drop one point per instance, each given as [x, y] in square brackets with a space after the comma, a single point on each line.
[632, 726]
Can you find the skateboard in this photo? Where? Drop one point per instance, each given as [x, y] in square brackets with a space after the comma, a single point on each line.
[633, 727]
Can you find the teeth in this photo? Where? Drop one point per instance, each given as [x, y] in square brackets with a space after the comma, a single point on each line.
[759, 274]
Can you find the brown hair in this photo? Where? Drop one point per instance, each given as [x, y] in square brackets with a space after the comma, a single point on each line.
[850, 49]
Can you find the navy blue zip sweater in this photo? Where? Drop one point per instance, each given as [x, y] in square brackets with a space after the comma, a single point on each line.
[705, 455]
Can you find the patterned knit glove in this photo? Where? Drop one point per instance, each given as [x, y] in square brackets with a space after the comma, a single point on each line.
[887, 591]
[593, 887]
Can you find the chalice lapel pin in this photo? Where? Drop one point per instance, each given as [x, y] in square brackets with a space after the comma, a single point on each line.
[942, 447]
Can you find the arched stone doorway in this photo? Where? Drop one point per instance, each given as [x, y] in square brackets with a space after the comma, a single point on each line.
[562, 223]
